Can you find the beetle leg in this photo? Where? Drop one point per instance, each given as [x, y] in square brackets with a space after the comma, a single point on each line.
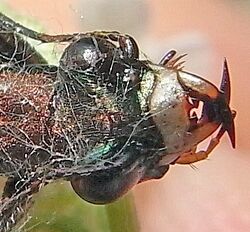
[13, 205]
[16, 200]
[126, 42]
[193, 156]
[171, 63]
[167, 57]
[174, 63]
[10, 26]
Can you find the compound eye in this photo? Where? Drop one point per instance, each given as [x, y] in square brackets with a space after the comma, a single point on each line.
[83, 54]
[105, 188]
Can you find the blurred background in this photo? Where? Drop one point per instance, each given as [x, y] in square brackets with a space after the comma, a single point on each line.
[216, 195]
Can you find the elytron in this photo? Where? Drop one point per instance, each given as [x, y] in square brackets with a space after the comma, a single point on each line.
[103, 119]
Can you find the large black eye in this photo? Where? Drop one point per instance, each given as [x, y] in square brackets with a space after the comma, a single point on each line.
[105, 187]
[87, 53]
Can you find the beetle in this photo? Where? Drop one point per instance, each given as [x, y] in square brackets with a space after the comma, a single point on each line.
[103, 119]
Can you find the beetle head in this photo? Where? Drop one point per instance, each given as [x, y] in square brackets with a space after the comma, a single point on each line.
[216, 110]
